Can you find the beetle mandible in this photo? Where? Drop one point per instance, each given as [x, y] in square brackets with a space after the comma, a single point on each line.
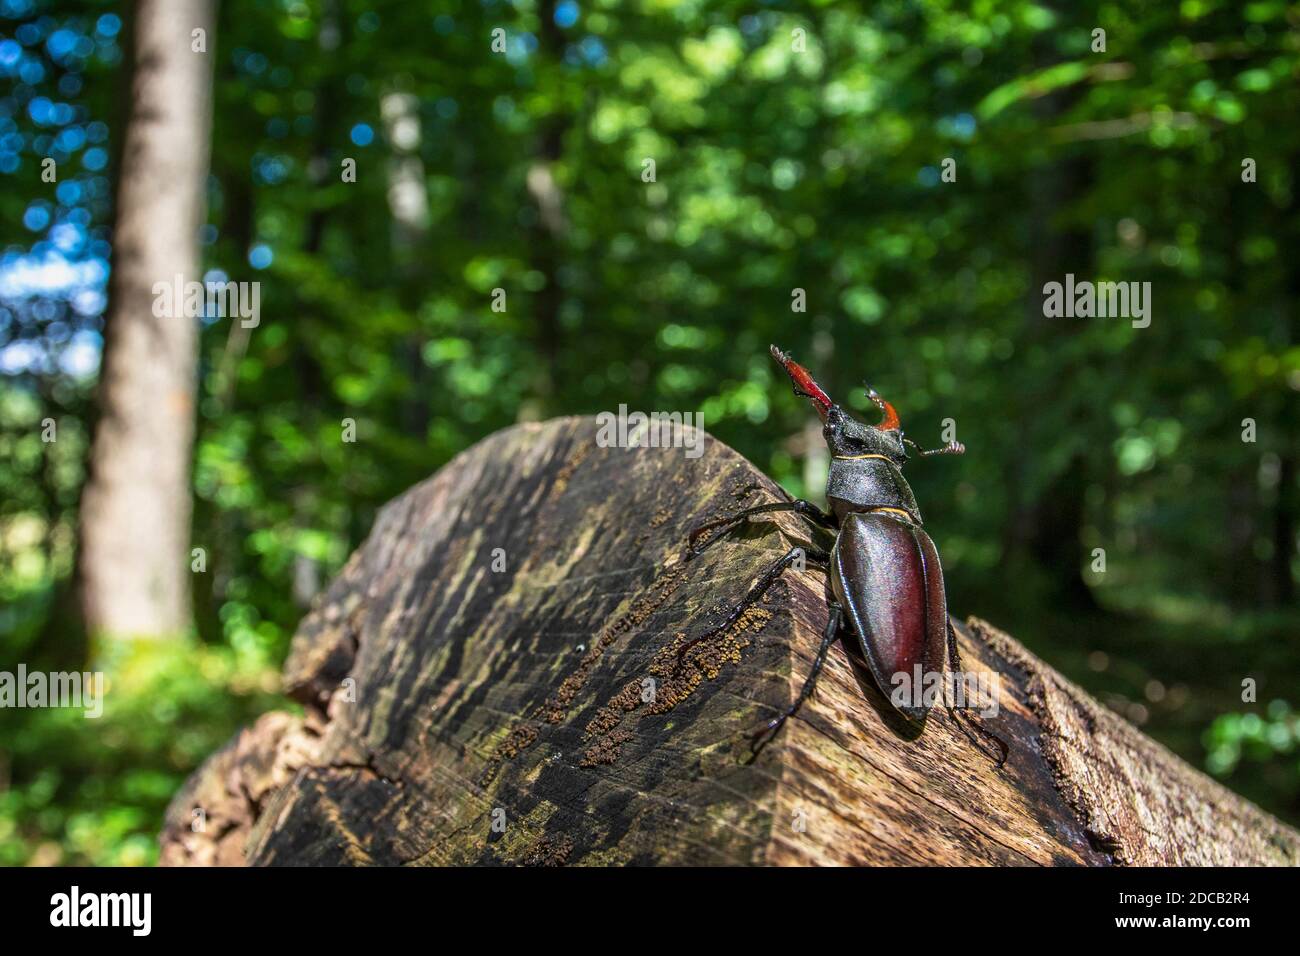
[886, 580]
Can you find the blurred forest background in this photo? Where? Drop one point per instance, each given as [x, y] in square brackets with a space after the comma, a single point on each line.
[796, 146]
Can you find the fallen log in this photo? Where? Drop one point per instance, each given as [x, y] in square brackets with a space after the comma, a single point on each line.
[496, 678]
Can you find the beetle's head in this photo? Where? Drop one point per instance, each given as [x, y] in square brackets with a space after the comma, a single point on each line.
[845, 436]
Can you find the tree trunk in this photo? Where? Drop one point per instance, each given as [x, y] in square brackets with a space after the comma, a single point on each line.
[135, 509]
[501, 675]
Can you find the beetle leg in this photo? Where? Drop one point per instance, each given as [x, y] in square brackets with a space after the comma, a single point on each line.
[954, 664]
[799, 506]
[829, 637]
[756, 592]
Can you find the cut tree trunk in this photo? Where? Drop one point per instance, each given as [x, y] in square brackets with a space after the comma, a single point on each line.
[495, 677]
[134, 563]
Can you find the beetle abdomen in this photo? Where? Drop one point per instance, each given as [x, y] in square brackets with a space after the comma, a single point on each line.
[860, 484]
[885, 574]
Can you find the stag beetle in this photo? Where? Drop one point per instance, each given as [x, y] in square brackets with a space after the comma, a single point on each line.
[885, 576]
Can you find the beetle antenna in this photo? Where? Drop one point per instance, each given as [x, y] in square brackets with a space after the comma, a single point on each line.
[952, 448]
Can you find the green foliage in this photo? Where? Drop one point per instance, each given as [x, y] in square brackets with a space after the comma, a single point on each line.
[91, 791]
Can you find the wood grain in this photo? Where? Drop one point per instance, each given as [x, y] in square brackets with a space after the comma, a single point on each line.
[443, 697]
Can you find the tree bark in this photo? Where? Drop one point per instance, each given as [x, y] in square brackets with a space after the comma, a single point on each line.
[458, 712]
[133, 565]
